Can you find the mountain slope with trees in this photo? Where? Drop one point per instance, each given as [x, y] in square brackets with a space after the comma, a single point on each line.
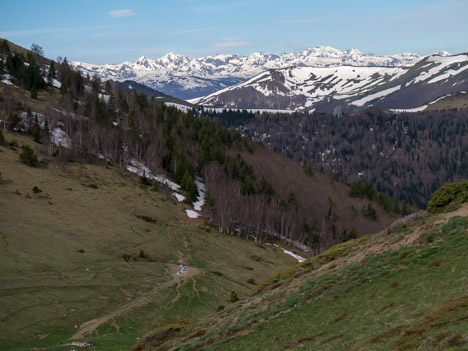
[84, 118]
[406, 155]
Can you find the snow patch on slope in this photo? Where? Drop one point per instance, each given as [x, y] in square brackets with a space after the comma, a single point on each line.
[197, 205]
[290, 253]
[441, 63]
[192, 214]
[366, 99]
[142, 170]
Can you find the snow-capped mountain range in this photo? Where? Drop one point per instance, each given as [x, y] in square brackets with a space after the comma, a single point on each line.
[348, 87]
[187, 78]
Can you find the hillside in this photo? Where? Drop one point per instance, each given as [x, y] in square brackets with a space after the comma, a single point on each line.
[78, 118]
[347, 88]
[187, 78]
[403, 289]
[407, 155]
[93, 253]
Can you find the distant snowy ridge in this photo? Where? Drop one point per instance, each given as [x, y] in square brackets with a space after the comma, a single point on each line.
[185, 77]
[345, 87]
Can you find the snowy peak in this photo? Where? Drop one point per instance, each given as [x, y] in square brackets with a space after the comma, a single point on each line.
[186, 77]
[444, 53]
[172, 59]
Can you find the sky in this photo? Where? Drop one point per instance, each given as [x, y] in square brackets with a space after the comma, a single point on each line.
[101, 31]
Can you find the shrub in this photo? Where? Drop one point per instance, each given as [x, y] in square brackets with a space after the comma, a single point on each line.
[369, 211]
[234, 297]
[145, 181]
[220, 308]
[251, 281]
[352, 234]
[27, 156]
[448, 193]
[36, 190]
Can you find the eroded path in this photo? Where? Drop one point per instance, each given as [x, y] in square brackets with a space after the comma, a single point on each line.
[89, 327]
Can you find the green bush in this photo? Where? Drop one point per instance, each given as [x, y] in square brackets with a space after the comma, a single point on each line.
[145, 181]
[234, 297]
[251, 281]
[448, 193]
[27, 156]
[352, 234]
[36, 190]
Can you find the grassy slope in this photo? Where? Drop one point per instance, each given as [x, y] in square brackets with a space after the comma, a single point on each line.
[404, 290]
[48, 288]
[458, 100]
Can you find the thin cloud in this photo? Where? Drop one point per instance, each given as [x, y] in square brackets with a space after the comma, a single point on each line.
[42, 31]
[121, 13]
[231, 43]
[297, 21]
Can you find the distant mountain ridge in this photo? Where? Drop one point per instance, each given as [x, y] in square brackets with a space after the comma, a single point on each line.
[346, 87]
[187, 78]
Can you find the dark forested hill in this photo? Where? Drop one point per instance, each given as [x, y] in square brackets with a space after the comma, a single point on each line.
[406, 155]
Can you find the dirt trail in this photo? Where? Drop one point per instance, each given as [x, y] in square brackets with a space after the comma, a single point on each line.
[179, 277]
[89, 327]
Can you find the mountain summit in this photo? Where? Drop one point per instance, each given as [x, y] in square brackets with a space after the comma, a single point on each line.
[186, 78]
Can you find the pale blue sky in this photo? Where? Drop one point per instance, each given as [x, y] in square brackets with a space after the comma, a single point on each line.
[100, 31]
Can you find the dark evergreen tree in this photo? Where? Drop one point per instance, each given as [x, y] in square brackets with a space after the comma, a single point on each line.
[2, 138]
[27, 156]
[13, 121]
[33, 92]
[52, 73]
[4, 48]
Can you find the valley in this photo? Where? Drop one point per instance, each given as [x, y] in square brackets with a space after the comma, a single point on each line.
[281, 208]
